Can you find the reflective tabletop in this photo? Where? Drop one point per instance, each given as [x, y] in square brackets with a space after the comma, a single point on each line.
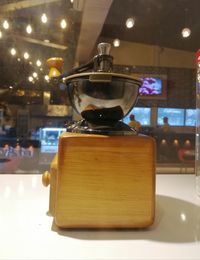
[27, 232]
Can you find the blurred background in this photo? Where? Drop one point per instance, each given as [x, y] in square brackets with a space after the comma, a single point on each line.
[155, 40]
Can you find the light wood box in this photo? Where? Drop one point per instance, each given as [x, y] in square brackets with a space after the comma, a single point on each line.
[99, 181]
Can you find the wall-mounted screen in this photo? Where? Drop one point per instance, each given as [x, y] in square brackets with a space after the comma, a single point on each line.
[142, 114]
[190, 117]
[153, 87]
[175, 116]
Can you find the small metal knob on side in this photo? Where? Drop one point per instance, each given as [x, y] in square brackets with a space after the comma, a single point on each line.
[46, 176]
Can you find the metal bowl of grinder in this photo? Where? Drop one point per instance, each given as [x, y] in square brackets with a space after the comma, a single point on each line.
[102, 97]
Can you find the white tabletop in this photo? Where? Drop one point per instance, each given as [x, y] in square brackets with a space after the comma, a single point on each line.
[27, 232]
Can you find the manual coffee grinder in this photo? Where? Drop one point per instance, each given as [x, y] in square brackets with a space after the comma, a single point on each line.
[103, 175]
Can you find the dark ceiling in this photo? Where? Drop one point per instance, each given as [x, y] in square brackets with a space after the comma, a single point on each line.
[157, 22]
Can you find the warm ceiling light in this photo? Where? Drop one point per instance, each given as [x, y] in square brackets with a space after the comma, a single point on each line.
[6, 25]
[13, 51]
[116, 43]
[29, 29]
[1, 35]
[44, 18]
[35, 74]
[26, 56]
[130, 23]
[186, 32]
[30, 79]
[71, 1]
[63, 24]
[46, 77]
[38, 63]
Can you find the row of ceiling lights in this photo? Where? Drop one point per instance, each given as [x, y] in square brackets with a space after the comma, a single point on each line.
[29, 28]
[130, 22]
[38, 63]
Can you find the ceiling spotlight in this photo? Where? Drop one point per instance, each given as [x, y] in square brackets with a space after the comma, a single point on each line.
[1, 35]
[30, 79]
[130, 22]
[186, 32]
[38, 63]
[26, 56]
[29, 29]
[46, 77]
[63, 24]
[6, 25]
[71, 1]
[13, 52]
[35, 74]
[44, 18]
[116, 43]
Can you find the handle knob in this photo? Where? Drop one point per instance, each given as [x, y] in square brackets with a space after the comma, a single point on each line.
[104, 48]
[55, 65]
[46, 176]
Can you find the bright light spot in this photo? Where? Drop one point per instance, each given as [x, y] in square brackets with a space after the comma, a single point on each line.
[130, 23]
[176, 142]
[34, 181]
[38, 63]
[63, 24]
[29, 29]
[21, 188]
[18, 59]
[35, 74]
[44, 18]
[30, 79]
[6, 25]
[116, 43]
[183, 217]
[13, 52]
[11, 87]
[7, 192]
[163, 142]
[46, 77]
[186, 32]
[26, 56]
[71, 1]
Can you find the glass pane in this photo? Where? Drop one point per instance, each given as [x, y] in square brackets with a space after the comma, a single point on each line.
[175, 116]
[190, 117]
[142, 114]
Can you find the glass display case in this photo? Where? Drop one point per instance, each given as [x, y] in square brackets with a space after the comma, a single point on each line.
[49, 139]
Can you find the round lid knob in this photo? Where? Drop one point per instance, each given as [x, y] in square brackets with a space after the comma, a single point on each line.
[104, 48]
